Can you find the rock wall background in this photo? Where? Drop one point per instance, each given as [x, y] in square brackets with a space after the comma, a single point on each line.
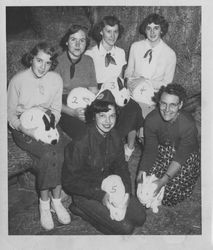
[28, 25]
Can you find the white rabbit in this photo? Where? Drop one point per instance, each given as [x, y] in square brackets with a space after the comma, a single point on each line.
[45, 125]
[80, 97]
[145, 193]
[114, 186]
[143, 92]
[119, 91]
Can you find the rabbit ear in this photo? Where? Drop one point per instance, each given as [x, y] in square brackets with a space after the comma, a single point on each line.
[46, 122]
[120, 84]
[52, 121]
[161, 194]
[144, 176]
[151, 178]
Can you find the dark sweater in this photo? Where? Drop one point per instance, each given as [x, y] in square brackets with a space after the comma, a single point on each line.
[182, 134]
[91, 159]
[84, 73]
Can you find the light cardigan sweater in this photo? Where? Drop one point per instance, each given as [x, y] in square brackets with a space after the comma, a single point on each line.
[160, 71]
[26, 91]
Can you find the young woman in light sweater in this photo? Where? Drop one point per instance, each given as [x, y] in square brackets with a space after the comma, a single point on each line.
[38, 86]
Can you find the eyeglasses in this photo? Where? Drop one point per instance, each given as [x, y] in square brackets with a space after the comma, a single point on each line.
[153, 28]
[172, 106]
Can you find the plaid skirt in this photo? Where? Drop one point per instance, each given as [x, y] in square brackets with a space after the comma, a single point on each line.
[47, 159]
[181, 186]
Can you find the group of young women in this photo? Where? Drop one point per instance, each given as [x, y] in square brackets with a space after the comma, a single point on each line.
[103, 135]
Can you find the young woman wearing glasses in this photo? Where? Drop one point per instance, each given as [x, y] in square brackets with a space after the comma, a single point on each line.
[171, 150]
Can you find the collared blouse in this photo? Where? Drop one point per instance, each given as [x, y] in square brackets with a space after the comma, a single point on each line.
[159, 70]
[110, 73]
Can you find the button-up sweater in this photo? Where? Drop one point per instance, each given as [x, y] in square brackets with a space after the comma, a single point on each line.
[91, 159]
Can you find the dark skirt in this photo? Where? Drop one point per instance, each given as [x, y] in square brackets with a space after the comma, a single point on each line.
[181, 186]
[72, 126]
[130, 118]
[47, 159]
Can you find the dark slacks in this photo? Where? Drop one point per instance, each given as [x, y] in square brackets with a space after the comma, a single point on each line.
[98, 215]
[48, 159]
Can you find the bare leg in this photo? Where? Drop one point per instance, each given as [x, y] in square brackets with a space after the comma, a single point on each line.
[131, 139]
[44, 195]
[130, 146]
[56, 192]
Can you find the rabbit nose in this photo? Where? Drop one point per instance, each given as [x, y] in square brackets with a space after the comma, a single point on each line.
[53, 142]
[125, 101]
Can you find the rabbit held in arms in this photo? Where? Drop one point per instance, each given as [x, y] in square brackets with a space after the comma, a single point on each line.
[145, 193]
[119, 91]
[114, 186]
[44, 125]
[80, 97]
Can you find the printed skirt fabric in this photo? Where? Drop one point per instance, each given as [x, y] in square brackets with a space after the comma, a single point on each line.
[47, 159]
[181, 186]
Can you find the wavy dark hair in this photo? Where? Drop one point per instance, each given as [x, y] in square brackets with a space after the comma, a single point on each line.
[72, 30]
[42, 46]
[156, 19]
[107, 20]
[172, 89]
[98, 106]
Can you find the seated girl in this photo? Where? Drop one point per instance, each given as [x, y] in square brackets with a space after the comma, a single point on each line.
[98, 154]
[38, 86]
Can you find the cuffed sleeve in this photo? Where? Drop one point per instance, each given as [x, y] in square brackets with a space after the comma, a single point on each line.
[188, 142]
[56, 104]
[168, 73]
[131, 63]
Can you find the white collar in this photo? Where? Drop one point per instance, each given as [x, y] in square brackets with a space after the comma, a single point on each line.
[157, 47]
[103, 51]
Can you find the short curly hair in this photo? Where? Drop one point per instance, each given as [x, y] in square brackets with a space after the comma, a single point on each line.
[156, 19]
[172, 89]
[42, 46]
[98, 106]
[107, 20]
[72, 30]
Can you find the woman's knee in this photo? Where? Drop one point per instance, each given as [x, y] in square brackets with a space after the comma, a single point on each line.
[141, 218]
[127, 228]
[136, 213]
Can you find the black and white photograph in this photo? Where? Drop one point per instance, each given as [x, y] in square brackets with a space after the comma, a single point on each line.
[106, 113]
